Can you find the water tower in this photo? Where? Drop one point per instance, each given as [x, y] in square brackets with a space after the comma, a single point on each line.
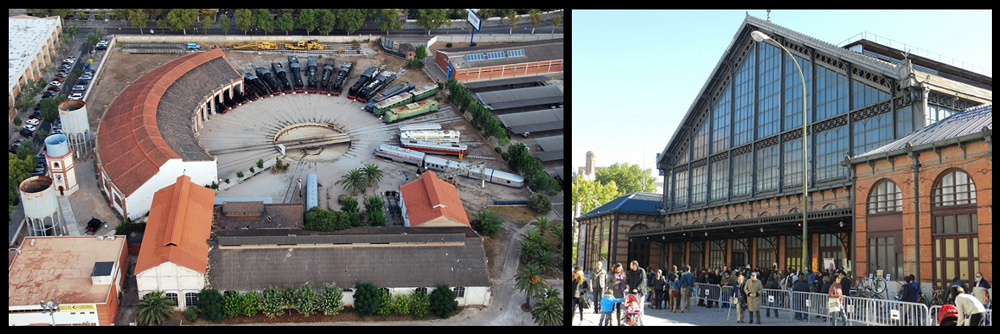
[41, 207]
[76, 125]
[59, 157]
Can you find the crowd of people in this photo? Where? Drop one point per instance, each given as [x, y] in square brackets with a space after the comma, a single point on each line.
[671, 289]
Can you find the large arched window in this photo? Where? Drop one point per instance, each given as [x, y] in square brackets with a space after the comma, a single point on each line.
[955, 233]
[885, 197]
[955, 188]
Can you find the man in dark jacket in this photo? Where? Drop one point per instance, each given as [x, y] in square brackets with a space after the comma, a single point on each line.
[802, 285]
[713, 278]
[845, 283]
[635, 277]
[659, 282]
[911, 293]
[772, 284]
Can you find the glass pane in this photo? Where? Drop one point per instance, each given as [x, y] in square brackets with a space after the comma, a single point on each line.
[963, 224]
[963, 270]
[975, 248]
[871, 251]
[891, 255]
[949, 224]
[937, 248]
[949, 272]
[938, 225]
[881, 254]
[963, 248]
[938, 273]
[975, 224]
[949, 248]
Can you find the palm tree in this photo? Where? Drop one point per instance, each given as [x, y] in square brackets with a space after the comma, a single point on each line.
[372, 173]
[548, 311]
[528, 250]
[529, 281]
[542, 224]
[354, 181]
[153, 309]
[558, 232]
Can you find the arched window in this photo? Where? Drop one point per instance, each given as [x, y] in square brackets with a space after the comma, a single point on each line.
[953, 189]
[885, 197]
[955, 233]
[764, 214]
[738, 217]
[829, 207]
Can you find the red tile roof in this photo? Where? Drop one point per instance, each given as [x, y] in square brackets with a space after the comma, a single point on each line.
[179, 224]
[433, 202]
[131, 148]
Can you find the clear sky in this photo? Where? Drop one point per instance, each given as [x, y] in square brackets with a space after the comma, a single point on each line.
[636, 73]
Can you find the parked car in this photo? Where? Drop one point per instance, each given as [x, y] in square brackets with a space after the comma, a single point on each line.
[102, 45]
[79, 87]
[83, 81]
[30, 127]
[25, 133]
[56, 83]
[59, 79]
[76, 96]
[48, 94]
[32, 121]
[61, 74]
[86, 76]
[53, 89]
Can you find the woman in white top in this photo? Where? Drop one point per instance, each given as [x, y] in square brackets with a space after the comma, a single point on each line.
[968, 306]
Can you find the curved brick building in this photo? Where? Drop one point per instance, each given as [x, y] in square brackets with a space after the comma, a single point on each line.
[148, 135]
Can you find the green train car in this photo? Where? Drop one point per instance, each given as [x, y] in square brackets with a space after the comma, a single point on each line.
[410, 110]
[382, 107]
[425, 91]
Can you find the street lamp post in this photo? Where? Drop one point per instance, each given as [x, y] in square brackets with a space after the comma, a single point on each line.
[50, 307]
[761, 37]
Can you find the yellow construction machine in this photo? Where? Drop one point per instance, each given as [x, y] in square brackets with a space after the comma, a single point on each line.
[263, 45]
[305, 45]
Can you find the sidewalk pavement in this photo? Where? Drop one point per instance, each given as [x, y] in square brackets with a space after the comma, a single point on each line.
[698, 316]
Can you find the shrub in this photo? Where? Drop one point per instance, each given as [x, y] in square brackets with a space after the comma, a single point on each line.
[400, 304]
[251, 170]
[473, 44]
[331, 300]
[288, 294]
[210, 303]
[385, 303]
[260, 163]
[489, 222]
[366, 299]
[191, 314]
[498, 149]
[17, 121]
[306, 301]
[271, 302]
[227, 180]
[443, 302]
[420, 305]
[317, 219]
[540, 203]
[239, 174]
[250, 303]
[447, 45]
[232, 304]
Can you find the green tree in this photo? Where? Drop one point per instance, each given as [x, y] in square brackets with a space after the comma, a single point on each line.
[271, 302]
[308, 19]
[285, 22]
[331, 299]
[389, 20]
[18, 169]
[558, 232]
[94, 37]
[420, 52]
[317, 219]
[210, 304]
[556, 21]
[443, 302]
[548, 310]
[350, 206]
[263, 20]
[536, 19]
[306, 300]
[17, 121]
[512, 20]
[375, 206]
[591, 194]
[484, 13]
[628, 177]
[225, 24]
[70, 31]
[366, 299]
[489, 222]
[542, 224]
[430, 19]
[372, 174]
[385, 303]
[539, 203]
[420, 304]
[327, 21]
[232, 304]
[207, 24]
[401, 304]
[250, 303]
[181, 19]
[244, 19]
[354, 181]
[529, 281]
[350, 20]
[377, 218]
[153, 309]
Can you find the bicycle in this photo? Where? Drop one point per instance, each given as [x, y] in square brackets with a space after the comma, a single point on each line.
[871, 287]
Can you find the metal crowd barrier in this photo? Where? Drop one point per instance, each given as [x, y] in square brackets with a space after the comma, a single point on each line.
[776, 300]
[878, 312]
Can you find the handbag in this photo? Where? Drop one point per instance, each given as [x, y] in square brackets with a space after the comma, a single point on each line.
[833, 305]
[587, 303]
